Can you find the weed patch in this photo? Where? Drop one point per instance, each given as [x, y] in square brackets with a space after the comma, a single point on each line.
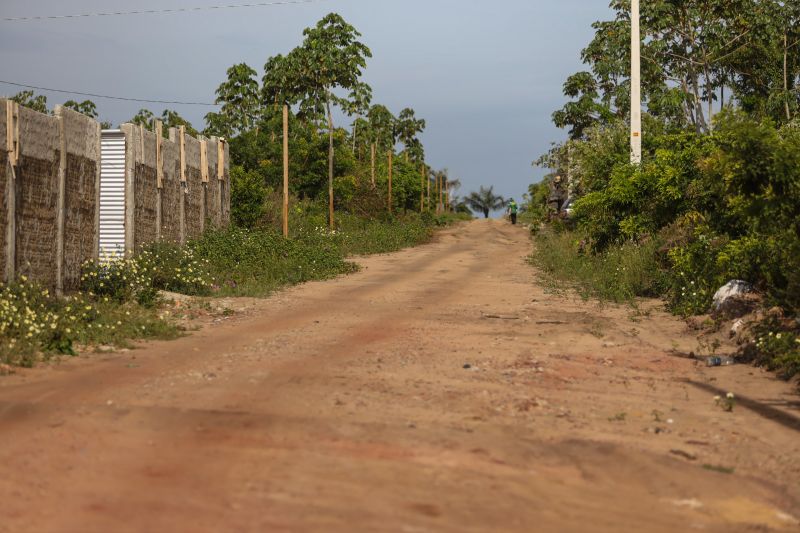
[621, 274]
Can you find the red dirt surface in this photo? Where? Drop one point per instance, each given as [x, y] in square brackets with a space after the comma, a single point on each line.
[346, 406]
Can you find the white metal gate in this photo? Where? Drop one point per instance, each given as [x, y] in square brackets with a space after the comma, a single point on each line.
[112, 192]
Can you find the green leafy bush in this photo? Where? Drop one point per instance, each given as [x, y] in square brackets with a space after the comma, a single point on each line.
[725, 206]
[776, 349]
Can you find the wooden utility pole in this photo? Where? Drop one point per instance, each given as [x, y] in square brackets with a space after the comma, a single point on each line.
[331, 221]
[438, 203]
[286, 171]
[391, 155]
[636, 85]
[422, 189]
[428, 180]
[372, 150]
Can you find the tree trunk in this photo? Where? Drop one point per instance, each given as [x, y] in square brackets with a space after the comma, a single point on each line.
[786, 76]
[709, 90]
[355, 130]
[485, 213]
[685, 104]
[331, 221]
[700, 121]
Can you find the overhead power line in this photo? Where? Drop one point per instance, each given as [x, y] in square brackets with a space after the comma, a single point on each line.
[92, 95]
[157, 11]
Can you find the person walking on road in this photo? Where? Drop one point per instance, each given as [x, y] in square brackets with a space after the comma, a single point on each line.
[513, 209]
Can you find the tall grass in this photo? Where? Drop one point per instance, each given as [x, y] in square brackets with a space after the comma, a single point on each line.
[621, 274]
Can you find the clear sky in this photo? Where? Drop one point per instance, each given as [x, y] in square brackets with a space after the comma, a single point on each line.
[486, 75]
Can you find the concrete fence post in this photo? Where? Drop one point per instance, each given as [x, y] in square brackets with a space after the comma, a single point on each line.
[184, 185]
[221, 179]
[99, 132]
[62, 191]
[204, 180]
[159, 131]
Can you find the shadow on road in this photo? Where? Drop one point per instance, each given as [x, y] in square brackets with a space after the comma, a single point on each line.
[763, 409]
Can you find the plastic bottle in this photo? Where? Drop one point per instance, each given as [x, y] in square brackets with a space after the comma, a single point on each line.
[720, 361]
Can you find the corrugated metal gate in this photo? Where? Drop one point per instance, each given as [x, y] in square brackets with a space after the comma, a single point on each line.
[112, 192]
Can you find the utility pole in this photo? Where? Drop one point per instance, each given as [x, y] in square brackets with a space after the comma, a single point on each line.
[636, 85]
[428, 202]
[391, 153]
[372, 152]
[285, 170]
[422, 189]
[438, 196]
[441, 194]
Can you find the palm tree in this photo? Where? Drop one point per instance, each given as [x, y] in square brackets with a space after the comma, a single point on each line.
[451, 186]
[485, 201]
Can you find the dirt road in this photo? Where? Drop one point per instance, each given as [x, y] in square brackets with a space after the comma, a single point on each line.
[440, 389]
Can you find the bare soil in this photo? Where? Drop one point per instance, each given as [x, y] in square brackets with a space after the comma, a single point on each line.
[439, 389]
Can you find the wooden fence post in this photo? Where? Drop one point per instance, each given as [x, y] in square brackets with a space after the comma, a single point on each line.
[12, 148]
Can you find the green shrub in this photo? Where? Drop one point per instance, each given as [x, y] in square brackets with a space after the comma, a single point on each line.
[776, 349]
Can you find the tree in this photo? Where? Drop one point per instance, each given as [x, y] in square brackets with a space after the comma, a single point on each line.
[408, 127]
[172, 119]
[330, 58]
[87, 107]
[30, 100]
[358, 105]
[382, 126]
[240, 98]
[144, 117]
[485, 201]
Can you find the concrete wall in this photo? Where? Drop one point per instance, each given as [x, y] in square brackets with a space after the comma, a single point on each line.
[48, 223]
[49, 215]
[81, 193]
[186, 208]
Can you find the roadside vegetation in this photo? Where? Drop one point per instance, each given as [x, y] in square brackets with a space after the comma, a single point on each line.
[717, 197]
[342, 204]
